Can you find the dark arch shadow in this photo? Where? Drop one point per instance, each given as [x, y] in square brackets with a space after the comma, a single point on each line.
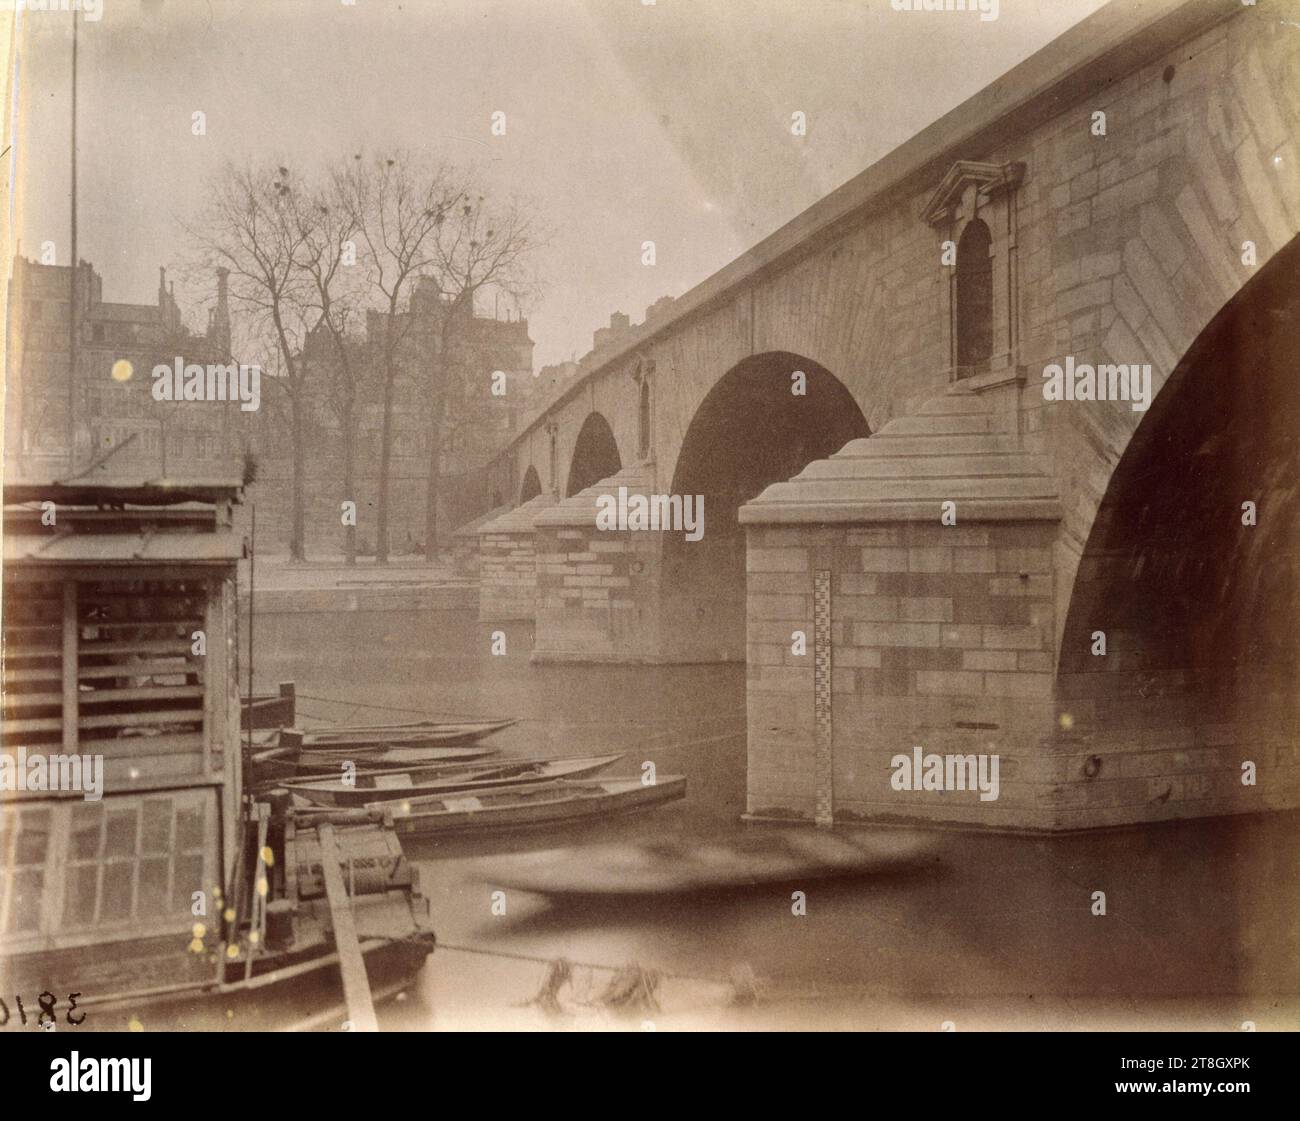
[749, 432]
[531, 487]
[974, 299]
[595, 455]
[1199, 610]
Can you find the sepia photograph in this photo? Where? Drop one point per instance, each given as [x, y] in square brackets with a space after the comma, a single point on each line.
[651, 516]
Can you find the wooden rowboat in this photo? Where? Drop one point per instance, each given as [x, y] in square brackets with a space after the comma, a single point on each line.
[423, 733]
[414, 786]
[269, 710]
[279, 763]
[290, 770]
[545, 803]
[289, 975]
[760, 855]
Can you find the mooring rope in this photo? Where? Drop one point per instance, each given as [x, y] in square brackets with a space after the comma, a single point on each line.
[650, 739]
[634, 986]
[523, 720]
[538, 960]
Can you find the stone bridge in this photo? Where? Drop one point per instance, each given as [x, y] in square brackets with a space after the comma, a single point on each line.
[913, 535]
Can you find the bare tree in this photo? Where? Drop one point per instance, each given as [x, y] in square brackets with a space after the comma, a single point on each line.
[329, 251]
[289, 246]
[480, 248]
[257, 224]
[398, 204]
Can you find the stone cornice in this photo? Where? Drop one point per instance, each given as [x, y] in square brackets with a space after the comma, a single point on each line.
[988, 178]
[581, 509]
[957, 448]
[520, 519]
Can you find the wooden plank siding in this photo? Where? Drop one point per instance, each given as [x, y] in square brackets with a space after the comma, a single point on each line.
[115, 675]
[99, 661]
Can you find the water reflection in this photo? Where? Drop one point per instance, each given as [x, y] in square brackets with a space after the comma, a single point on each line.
[1201, 923]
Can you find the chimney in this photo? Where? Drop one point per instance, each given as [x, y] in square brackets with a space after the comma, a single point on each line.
[221, 314]
[603, 336]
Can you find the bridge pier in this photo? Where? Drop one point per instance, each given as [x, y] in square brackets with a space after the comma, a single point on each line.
[507, 562]
[465, 551]
[596, 588]
[880, 620]
[878, 628]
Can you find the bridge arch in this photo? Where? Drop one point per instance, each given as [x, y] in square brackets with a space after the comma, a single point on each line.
[1196, 606]
[531, 486]
[595, 455]
[750, 431]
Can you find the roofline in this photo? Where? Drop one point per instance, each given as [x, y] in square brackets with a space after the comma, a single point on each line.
[147, 492]
[1105, 46]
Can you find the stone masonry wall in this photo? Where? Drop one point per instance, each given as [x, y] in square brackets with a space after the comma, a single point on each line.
[595, 591]
[942, 637]
[507, 576]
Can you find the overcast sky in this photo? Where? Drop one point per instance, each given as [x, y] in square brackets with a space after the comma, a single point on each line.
[625, 122]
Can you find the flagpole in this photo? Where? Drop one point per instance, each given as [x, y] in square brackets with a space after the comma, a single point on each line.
[72, 286]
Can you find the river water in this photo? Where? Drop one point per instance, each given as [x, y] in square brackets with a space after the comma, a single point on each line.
[1201, 929]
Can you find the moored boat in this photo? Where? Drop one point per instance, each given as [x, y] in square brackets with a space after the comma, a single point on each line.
[269, 710]
[273, 764]
[313, 772]
[424, 733]
[163, 894]
[276, 963]
[564, 800]
[370, 789]
[760, 855]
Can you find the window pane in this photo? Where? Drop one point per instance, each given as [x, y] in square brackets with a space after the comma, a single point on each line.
[26, 888]
[79, 894]
[189, 828]
[157, 825]
[33, 837]
[153, 888]
[118, 892]
[189, 879]
[120, 838]
[87, 825]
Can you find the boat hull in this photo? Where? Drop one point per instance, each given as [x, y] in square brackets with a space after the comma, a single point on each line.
[671, 867]
[284, 763]
[269, 710]
[286, 991]
[335, 793]
[430, 734]
[573, 801]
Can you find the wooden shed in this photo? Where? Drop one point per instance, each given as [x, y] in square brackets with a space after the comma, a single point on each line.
[119, 654]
